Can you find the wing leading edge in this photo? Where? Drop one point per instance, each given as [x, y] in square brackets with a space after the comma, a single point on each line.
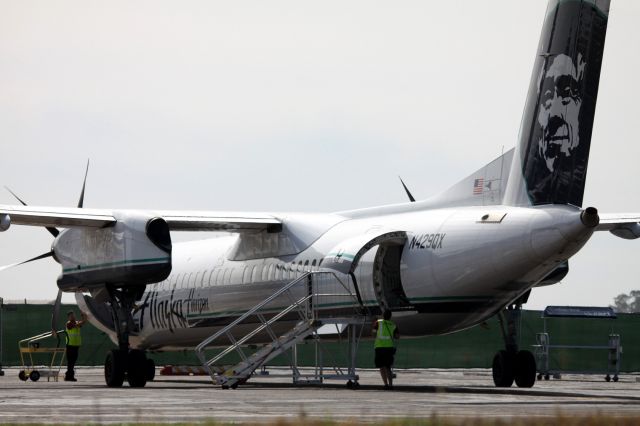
[177, 220]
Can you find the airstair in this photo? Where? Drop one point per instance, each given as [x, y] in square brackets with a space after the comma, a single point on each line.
[317, 305]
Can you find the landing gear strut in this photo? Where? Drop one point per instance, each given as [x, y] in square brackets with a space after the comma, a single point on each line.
[123, 363]
[512, 364]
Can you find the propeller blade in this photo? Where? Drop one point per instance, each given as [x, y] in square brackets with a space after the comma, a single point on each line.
[55, 314]
[84, 184]
[42, 256]
[15, 196]
[413, 200]
[53, 231]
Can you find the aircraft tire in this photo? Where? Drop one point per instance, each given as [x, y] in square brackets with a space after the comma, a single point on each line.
[525, 371]
[137, 369]
[115, 366]
[151, 370]
[23, 376]
[503, 369]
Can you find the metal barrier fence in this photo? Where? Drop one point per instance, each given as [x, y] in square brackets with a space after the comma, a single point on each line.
[473, 348]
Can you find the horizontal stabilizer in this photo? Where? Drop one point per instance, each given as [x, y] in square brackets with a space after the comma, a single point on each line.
[623, 225]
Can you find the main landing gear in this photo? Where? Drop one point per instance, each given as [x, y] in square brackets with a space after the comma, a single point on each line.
[512, 364]
[124, 363]
[134, 366]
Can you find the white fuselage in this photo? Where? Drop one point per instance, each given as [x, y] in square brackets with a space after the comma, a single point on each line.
[456, 268]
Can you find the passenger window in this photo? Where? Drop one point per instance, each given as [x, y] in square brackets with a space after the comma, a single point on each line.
[255, 275]
[306, 265]
[271, 273]
[195, 281]
[313, 265]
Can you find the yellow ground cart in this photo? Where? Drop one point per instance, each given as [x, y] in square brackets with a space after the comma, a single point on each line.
[38, 347]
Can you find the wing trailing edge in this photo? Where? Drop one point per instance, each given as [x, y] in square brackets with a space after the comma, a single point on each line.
[177, 220]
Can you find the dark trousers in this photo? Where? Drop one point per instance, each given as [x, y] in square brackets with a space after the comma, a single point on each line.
[72, 357]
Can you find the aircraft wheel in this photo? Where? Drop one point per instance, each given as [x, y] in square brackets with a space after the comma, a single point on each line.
[615, 378]
[137, 369]
[151, 370]
[34, 376]
[607, 378]
[503, 369]
[115, 367]
[23, 376]
[525, 371]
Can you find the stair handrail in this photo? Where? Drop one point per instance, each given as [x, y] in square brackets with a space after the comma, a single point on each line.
[352, 294]
[251, 311]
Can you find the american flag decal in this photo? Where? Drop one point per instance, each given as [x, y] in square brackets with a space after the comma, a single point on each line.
[477, 186]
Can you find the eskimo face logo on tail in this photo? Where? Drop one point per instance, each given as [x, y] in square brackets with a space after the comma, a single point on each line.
[558, 114]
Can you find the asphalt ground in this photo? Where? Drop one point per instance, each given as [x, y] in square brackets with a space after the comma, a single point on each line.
[417, 394]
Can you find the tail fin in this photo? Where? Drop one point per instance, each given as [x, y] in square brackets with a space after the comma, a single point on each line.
[550, 165]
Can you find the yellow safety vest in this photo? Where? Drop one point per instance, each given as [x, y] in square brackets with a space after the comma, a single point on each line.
[384, 336]
[73, 336]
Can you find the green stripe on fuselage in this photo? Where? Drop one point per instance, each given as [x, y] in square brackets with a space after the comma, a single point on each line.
[107, 265]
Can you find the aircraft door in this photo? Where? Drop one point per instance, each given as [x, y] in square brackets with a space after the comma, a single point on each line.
[345, 258]
[387, 282]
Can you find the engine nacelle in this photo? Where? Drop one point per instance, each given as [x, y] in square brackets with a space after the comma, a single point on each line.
[134, 252]
[5, 222]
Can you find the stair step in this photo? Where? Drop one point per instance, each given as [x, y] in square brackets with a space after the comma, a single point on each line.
[301, 299]
[244, 369]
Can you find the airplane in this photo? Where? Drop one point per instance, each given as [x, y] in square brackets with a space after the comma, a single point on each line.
[443, 264]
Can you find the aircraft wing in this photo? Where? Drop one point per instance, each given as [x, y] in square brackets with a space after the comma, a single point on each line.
[177, 220]
[623, 225]
[57, 216]
[220, 221]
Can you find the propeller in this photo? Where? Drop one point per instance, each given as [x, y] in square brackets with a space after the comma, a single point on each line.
[41, 256]
[413, 200]
[84, 184]
[55, 314]
[56, 307]
[55, 232]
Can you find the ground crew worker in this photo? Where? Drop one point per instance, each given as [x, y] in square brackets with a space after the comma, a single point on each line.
[386, 334]
[74, 341]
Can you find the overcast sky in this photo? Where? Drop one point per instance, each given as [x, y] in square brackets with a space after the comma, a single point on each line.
[290, 105]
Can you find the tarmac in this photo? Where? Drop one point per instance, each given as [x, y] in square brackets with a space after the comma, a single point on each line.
[417, 394]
